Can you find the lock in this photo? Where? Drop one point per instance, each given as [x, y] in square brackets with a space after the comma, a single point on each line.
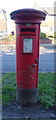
[37, 60]
[34, 65]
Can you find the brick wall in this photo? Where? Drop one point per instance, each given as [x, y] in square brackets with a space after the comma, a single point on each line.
[14, 42]
[42, 41]
[2, 42]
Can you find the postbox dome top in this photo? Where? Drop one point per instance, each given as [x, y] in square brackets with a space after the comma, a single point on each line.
[26, 15]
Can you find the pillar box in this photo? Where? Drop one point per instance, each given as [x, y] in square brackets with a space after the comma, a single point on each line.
[27, 53]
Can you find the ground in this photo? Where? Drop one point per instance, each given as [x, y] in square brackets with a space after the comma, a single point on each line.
[14, 110]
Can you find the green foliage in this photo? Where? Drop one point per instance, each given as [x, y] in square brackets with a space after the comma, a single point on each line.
[42, 35]
[9, 38]
[8, 87]
[54, 34]
[46, 89]
[5, 99]
[50, 36]
[55, 85]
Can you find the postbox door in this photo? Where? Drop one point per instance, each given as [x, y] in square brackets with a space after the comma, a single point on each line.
[27, 62]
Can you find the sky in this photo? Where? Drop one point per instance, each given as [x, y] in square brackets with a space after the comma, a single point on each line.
[11, 5]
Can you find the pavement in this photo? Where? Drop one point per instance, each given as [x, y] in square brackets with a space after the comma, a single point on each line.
[46, 58]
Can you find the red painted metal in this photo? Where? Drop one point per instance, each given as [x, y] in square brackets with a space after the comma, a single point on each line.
[27, 66]
[27, 63]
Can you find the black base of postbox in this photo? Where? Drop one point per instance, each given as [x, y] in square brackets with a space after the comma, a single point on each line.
[27, 96]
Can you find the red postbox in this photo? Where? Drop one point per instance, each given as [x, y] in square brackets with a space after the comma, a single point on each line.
[27, 53]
